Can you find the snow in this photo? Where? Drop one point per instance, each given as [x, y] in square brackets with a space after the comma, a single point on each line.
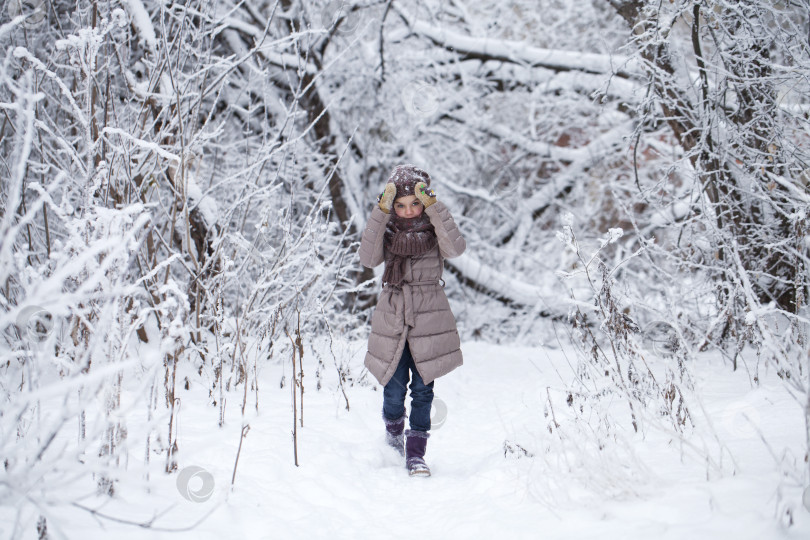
[22, 52]
[206, 205]
[267, 47]
[523, 53]
[527, 133]
[497, 470]
[143, 22]
[500, 282]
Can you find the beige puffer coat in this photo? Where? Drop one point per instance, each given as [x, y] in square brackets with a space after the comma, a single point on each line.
[419, 312]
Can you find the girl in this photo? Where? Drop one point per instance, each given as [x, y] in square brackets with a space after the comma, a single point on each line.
[413, 332]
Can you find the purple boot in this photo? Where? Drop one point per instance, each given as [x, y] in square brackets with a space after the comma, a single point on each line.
[394, 433]
[415, 445]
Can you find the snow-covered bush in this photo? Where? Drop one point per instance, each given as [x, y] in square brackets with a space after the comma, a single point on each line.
[183, 185]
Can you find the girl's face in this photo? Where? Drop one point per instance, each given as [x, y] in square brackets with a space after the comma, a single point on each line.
[408, 207]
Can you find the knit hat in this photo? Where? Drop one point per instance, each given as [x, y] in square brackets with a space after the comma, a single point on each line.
[405, 177]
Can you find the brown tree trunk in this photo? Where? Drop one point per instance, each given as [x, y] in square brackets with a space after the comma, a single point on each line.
[741, 216]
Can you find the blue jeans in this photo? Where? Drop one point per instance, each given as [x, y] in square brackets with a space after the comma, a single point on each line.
[421, 394]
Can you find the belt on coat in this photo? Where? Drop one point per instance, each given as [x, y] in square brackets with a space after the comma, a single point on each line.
[407, 296]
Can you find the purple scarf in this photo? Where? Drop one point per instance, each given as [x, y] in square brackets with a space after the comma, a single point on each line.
[405, 238]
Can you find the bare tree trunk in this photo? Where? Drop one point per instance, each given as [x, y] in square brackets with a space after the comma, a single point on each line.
[740, 215]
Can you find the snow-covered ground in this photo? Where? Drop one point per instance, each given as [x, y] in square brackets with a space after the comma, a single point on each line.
[497, 469]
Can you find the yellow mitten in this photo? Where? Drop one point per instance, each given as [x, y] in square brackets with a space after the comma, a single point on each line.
[386, 198]
[425, 195]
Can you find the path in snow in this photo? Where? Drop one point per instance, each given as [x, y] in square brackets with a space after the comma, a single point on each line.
[350, 485]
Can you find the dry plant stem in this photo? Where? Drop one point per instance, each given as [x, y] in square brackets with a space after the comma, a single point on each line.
[334, 358]
[170, 465]
[300, 381]
[551, 408]
[294, 400]
[622, 384]
[245, 429]
[256, 381]
[245, 389]
[382, 40]
[276, 317]
[221, 382]
[605, 316]
[145, 524]
[149, 409]
[82, 418]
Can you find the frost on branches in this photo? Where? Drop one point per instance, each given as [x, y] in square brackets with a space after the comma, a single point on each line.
[183, 186]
